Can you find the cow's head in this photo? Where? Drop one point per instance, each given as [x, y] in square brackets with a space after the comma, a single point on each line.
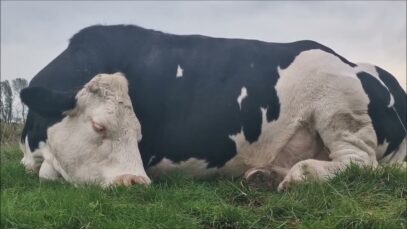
[97, 140]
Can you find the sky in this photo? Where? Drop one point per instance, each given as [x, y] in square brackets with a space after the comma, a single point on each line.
[34, 32]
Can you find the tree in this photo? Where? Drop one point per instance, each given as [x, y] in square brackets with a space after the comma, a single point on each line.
[7, 101]
[2, 110]
[18, 85]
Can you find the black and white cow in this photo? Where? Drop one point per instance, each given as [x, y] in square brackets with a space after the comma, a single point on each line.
[207, 106]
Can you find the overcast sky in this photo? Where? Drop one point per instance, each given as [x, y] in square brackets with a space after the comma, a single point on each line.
[35, 32]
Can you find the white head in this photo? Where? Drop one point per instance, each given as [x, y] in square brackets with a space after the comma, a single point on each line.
[97, 140]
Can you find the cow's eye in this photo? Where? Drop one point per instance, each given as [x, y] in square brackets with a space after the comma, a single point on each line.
[98, 127]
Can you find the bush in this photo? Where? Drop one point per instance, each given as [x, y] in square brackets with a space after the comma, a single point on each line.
[10, 133]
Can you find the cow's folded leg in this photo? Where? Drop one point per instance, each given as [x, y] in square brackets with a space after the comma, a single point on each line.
[310, 169]
[323, 170]
[350, 142]
[47, 172]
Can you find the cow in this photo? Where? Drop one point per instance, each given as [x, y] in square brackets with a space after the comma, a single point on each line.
[272, 113]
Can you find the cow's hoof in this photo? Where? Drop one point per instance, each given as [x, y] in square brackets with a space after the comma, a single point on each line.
[283, 186]
[267, 178]
[287, 184]
[128, 180]
[259, 178]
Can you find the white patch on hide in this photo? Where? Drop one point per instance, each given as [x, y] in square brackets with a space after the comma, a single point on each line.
[150, 160]
[31, 160]
[243, 95]
[179, 71]
[254, 154]
[319, 90]
[371, 69]
[396, 156]
[391, 103]
[381, 149]
[192, 168]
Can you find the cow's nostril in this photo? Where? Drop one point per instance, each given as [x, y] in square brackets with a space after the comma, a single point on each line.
[129, 179]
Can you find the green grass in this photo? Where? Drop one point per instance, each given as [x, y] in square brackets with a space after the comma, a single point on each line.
[356, 198]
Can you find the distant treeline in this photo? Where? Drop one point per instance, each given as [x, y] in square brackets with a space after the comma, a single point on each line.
[12, 110]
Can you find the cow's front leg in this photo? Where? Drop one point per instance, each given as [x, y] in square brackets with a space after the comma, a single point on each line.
[310, 169]
[349, 140]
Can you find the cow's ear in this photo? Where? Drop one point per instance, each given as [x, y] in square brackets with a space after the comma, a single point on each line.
[47, 102]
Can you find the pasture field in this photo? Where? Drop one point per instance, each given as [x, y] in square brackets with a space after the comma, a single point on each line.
[356, 198]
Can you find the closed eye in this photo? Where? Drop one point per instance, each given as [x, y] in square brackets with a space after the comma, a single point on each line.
[98, 127]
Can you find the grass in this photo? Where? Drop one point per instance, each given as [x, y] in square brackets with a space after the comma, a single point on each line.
[356, 198]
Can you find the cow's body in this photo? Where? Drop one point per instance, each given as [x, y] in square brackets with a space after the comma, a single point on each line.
[225, 106]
